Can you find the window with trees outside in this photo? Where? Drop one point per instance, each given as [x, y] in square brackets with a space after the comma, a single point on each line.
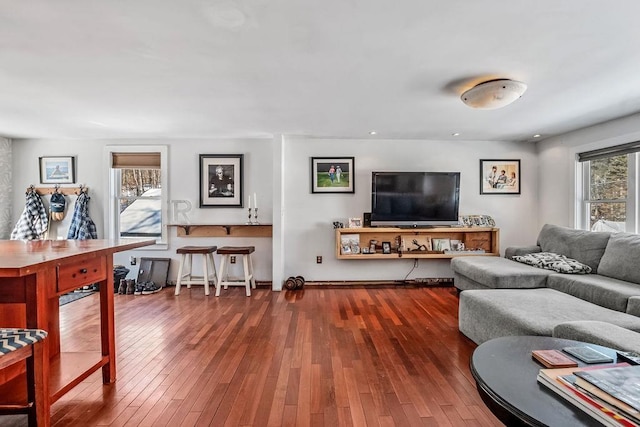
[609, 180]
[137, 192]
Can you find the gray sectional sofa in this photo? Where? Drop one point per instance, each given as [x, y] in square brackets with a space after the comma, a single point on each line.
[501, 297]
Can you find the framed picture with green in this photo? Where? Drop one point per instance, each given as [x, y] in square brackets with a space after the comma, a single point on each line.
[332, 175]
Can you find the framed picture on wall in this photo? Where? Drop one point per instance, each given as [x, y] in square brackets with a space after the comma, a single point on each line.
[332, 175]
[221, 180]
[499, 176]
[57, 170]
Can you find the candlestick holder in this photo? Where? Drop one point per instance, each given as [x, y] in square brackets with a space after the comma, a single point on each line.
[255, 210]
[249, 220]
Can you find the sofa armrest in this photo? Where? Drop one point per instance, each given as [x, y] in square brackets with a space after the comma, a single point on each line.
[520, 250]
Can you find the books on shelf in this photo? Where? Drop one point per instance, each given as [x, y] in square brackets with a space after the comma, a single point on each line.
[562, 382]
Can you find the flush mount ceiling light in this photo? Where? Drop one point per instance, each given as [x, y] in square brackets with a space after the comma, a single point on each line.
[493, 94]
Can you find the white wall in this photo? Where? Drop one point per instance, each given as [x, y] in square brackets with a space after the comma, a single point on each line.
[557, 160]
[308, 217]
[303, 223]
[183, 185]
[6, 190]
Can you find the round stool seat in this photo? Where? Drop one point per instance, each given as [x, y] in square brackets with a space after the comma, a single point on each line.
[196, 250]
[236, 250]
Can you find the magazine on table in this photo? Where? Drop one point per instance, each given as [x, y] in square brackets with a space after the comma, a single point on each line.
[598, 409]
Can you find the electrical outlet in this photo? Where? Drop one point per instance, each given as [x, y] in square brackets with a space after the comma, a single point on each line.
[319, 259]
[233, 259]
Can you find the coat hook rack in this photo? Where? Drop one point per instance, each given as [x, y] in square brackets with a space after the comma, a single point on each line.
[67, 191]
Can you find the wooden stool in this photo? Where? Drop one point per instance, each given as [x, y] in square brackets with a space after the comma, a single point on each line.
[248, 281]
[208, 267]
[27, 344]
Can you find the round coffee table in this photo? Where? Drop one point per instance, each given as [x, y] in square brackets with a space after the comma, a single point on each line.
[505, 375]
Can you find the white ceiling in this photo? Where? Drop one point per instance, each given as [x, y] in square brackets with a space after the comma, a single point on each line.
[333, 68]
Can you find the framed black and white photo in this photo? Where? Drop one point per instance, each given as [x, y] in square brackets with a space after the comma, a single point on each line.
[221, 180]
[332, 175]
[386, 247]
[499, 176]
[57, 170]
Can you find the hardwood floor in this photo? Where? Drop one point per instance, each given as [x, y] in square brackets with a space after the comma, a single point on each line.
[320, 356]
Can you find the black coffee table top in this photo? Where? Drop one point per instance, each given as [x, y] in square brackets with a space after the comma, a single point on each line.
[505, 374]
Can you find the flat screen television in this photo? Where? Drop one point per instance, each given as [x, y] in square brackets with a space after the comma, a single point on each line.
[414, 199]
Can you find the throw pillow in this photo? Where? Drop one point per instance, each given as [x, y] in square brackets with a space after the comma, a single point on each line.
[555, 262]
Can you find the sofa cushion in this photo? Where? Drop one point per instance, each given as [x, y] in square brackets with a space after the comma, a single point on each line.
[555, 262]
[620, 257]
[584, 246]
[496, 272]
[511, 251]
[492, 313]
[600, 290]
[599, 333]
[633, 306]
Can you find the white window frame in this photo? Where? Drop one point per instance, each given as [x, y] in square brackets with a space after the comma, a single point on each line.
[582, 200]
[112, 208]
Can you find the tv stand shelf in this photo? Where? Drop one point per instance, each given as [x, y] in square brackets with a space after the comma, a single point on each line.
[478, 241]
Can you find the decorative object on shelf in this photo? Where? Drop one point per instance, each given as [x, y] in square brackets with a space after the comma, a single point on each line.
[499, 176]
[477, 221]
[179, 211]
[57, 170]
[332, 175]
[372, 246]
[441, 245]
[350, 244]
[337, 224]
[386, 247]
[416, 243]
[493, 94]
[221, 181]
[355, 222]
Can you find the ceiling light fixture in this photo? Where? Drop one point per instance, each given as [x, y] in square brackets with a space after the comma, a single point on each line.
[537, 135]
[373, 132]
[455, 134]
[493, 94]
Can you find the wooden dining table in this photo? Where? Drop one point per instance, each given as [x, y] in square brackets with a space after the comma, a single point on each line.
[33, 274]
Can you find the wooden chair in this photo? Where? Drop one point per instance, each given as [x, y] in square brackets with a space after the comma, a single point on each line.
[248, 280]
[17, 345]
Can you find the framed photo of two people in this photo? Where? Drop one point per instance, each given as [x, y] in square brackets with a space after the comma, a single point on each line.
[499, 176]
[332, 175]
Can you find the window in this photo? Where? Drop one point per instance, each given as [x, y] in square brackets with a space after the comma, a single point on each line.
[137, 192]
[609, 180]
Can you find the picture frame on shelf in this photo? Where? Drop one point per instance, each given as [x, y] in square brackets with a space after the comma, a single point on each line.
[500, 176]
[57, 170]
[355, 222]
[441, 244]
[332, 175]
[221, 180]
[386, 247]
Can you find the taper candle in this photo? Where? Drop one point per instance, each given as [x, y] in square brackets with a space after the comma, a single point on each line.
[255, 201]
[249, 202]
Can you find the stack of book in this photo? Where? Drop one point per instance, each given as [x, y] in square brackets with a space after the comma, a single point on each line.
[609, 392]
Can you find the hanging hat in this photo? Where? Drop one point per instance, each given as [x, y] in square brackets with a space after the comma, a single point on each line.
[57, 205]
